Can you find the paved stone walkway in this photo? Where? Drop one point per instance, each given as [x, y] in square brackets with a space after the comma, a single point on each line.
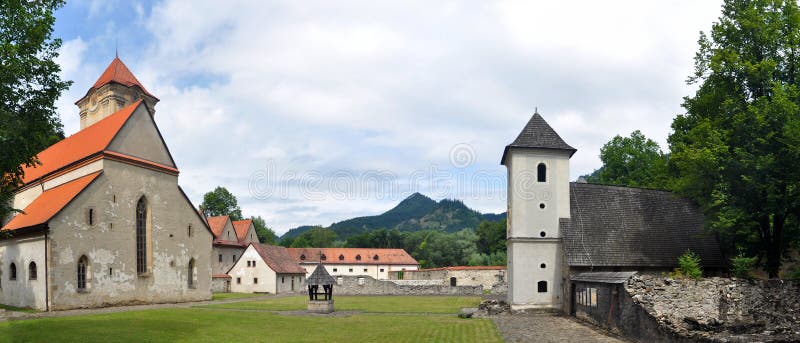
[547, 328]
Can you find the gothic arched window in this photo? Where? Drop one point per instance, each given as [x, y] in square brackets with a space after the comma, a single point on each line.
[541, 173]
[32, 272]
[190, 275]
[83, 271]
[141, 236]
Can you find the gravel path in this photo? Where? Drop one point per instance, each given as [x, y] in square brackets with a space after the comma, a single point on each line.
[548, 328]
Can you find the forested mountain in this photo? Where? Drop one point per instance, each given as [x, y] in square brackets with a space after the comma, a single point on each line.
[417, 212]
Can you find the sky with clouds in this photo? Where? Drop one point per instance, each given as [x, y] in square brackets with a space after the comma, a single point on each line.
[312, 112]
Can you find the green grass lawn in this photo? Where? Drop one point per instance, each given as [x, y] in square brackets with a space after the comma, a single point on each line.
[375, 304]
[226, 296]
[20, 309]
[221, 325]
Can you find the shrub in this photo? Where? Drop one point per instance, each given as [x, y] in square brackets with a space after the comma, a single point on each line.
[689, 264]
[794, 274]
[741, 266]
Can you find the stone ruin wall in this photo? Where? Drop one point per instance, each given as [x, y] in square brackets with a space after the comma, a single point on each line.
[366, 285]
[713, 309]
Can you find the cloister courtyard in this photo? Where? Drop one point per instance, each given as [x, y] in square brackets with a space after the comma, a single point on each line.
[233, 317]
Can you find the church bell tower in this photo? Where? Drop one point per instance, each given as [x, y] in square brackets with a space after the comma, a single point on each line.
[538, 200]
[116, 88]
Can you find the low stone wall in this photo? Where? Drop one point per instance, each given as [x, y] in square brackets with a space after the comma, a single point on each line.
[365, 285]
[713, 309]
[219, 285]
[419, 282]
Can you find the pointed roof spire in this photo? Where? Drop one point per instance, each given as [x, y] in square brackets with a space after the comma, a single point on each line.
[118, 72]
[320, 276]
[538, 134]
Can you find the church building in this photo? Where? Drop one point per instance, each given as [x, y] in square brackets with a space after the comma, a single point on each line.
[104, 220]
[561, 232]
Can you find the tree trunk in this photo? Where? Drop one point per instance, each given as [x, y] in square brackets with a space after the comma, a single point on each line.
[774, 246]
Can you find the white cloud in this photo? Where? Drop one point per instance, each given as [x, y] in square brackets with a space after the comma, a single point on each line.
[357, 86]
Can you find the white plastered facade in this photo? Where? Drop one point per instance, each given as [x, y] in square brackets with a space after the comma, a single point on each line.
[251, 274]
[534, 241]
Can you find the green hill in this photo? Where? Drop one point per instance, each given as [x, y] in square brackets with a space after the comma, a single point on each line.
[417, 212]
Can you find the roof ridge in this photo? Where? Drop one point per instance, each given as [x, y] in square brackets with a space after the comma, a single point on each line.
[624, 186]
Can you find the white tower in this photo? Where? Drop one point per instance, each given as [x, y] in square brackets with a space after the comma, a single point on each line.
[538, 199]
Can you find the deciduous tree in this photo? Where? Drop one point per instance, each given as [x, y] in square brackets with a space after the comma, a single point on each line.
[635, 161]
[736, 151]
[264, 232]
[29, 86]
[221, 202]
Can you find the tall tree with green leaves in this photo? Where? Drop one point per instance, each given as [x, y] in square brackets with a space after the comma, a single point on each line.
[29, 87]
[221, 202]
[264, 232]
[318, 237]
[635, 161]
[736, 151]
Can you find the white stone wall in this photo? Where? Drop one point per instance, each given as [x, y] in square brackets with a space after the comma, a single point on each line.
[230, 254]
[534, 209]
[220, 285]
[243, 277]
[375, 271]
[110, 244]
[468, 277]
[23, 292]
[285, 283]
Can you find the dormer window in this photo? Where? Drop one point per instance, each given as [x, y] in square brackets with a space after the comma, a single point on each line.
[303, 257]
[375, 258]
[358, 257]
[341, 257]
[323, 257]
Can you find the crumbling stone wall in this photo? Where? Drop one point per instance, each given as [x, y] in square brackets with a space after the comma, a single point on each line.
[714, 309]
[366, 285]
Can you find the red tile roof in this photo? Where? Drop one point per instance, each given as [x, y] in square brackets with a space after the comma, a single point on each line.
[91, 140]
[217, 224]
[118, 72]
[278, 259]
[351, 256]
[241, 227]
[49, 203]
[460, 268]
[218, 241]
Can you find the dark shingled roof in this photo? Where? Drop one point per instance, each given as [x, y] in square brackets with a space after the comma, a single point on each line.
[613, 226]
[538, 134]
[320, 276]
[603, 277]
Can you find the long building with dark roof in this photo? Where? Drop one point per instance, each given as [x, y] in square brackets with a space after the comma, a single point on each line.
[558, 229]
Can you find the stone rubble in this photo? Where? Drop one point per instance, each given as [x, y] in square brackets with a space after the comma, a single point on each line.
[721, 309]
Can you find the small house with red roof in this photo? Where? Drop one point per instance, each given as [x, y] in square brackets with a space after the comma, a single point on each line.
[266, 269]
[380, 264]
[231, 238]
[103, 218]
